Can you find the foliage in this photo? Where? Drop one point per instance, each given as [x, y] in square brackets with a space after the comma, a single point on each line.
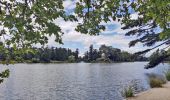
[128, 92]
[157, 57]
[151, 13]
[71, 59]
[132, 88]
[3, 75]
[110, 54]
[76, 55]
[151, 26]
[167, 74]
[31, 21]
[35, 60]
[45, 55]
[156, 80]
[28, 22]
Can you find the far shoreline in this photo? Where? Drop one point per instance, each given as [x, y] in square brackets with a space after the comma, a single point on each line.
[60, 62]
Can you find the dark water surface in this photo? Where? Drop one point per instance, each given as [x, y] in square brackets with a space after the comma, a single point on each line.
[79, 81]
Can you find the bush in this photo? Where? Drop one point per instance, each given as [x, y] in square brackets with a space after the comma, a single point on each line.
[35, 60]
[156, 80]
[167, 75]
[71, 59]
[128, 92]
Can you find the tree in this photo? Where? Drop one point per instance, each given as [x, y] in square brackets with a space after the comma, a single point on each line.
[110, 54]
[157, 57]
[45, 55]
[91, 53]
[71, 58]
[30, 22]
[152, 15]
[77, 54]
[27, 22]
[86, 56]
[52, 53]
[125, 56]
[27, 19]
[96, 54]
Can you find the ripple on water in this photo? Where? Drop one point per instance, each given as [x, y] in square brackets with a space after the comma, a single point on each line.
[74, 81]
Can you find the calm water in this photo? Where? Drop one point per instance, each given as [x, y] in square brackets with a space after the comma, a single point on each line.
[80, 81]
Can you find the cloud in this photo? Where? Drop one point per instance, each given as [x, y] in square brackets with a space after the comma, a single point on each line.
[112, 36]
[116, 38]
[69, 4]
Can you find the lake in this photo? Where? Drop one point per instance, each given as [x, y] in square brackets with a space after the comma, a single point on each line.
[75, 81]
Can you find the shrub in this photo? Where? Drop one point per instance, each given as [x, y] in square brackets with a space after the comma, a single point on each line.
[156, 80]
[167, 75]
[35, 60]
[71, 59]
[128, 92]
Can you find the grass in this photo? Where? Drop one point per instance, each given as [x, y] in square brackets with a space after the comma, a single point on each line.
[167, 75]
[156, 80]
[128, 92]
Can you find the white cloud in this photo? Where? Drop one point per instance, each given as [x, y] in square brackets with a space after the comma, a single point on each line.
[118, 39]
[69, 4]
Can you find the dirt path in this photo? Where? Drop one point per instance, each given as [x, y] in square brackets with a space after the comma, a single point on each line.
[154, 94]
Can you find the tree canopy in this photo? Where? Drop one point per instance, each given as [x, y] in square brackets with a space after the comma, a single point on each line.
[23, 20]
[152, 14]
[27, 22]
[110, 54]
[151, 27]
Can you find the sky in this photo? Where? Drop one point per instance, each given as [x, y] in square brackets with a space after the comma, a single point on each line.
[113, 35]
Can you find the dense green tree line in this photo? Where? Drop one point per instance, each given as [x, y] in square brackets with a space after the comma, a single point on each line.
[41, 55]
[110, 54]
[47, 55]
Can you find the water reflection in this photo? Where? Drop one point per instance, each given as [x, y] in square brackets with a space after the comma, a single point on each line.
[82, 81]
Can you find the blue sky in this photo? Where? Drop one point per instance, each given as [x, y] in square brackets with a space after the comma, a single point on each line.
[112, 36]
